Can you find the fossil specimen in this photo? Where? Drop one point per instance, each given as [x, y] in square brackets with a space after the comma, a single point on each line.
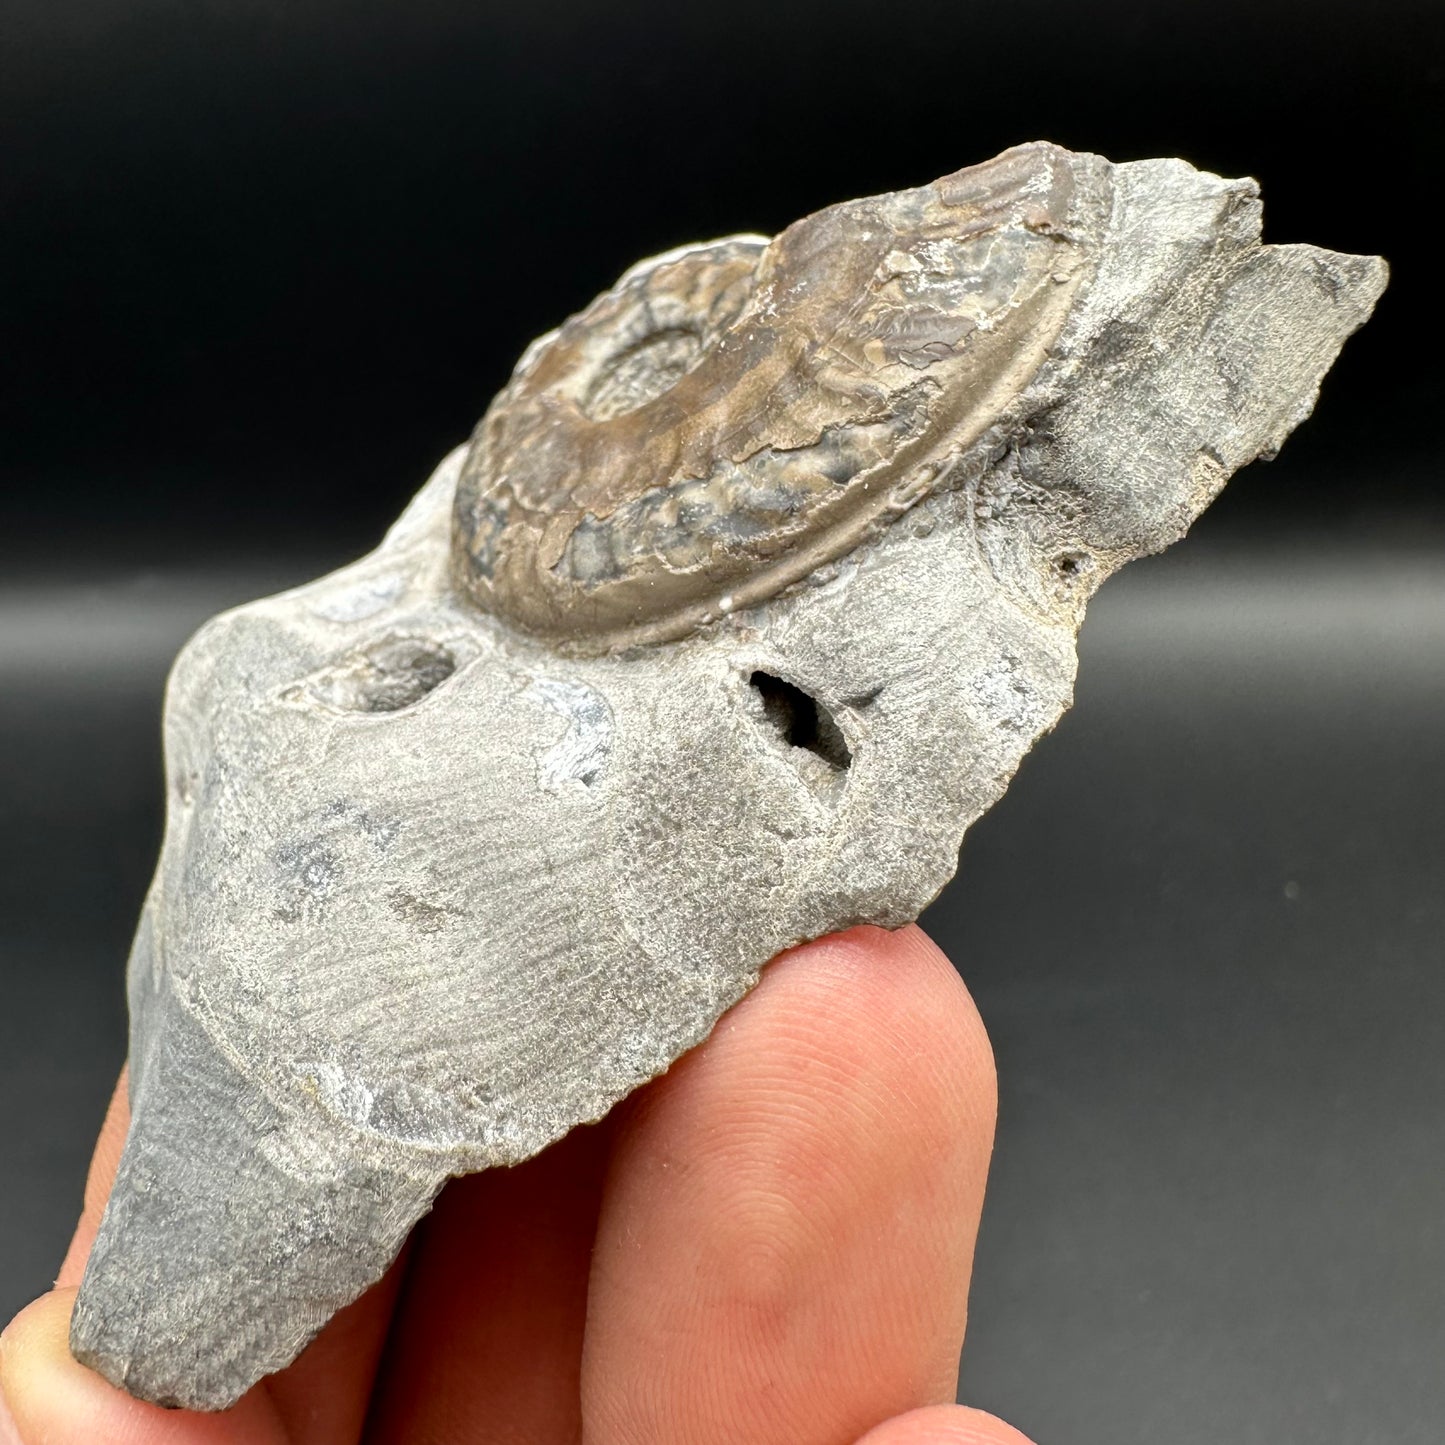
[750, 592]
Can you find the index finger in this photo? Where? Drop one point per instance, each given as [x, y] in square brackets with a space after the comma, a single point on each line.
[788, 1223]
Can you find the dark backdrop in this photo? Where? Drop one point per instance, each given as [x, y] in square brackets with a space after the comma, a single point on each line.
[261, 264]
[264, 261]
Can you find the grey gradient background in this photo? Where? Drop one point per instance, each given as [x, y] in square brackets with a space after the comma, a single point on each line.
[264, 264]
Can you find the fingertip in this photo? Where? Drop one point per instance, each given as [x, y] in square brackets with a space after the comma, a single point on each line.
[55, 1400]
[945, 1425]
[900, 983]
[905, 957]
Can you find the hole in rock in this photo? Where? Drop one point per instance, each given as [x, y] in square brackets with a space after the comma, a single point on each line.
[386, 676]
[402, 671]
[801, 721]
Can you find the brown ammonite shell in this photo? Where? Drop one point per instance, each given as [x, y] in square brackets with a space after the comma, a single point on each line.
[731, 416]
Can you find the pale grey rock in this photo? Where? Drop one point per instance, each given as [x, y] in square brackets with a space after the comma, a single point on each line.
[753, 589]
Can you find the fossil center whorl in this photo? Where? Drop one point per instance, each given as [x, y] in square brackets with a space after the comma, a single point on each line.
[731, 416]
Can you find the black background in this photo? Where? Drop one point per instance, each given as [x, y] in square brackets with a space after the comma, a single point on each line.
[262, 264]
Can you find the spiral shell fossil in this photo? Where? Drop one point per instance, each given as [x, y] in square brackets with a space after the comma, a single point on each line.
[731, 416]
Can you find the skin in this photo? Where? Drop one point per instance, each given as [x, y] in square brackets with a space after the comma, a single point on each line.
[771, 1245]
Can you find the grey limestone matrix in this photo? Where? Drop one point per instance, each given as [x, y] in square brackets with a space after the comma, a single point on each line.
[746, 598]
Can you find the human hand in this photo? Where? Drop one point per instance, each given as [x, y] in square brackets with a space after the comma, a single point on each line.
[770, 1245]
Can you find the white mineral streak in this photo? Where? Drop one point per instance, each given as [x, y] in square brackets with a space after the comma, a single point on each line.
[433, 893]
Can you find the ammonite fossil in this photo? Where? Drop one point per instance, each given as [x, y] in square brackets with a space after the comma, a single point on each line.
[752, 589]
[730, 417]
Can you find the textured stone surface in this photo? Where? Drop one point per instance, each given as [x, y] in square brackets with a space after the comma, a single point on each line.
[751, 592]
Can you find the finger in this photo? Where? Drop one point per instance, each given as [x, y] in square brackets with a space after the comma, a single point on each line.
[486, 1342]
[320, 1400]
[944, 1425]
[788, 1223]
